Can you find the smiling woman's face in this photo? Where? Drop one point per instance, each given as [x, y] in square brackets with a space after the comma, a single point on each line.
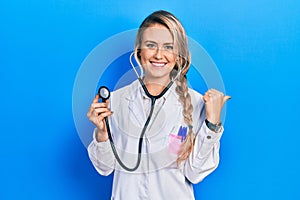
[157, 53]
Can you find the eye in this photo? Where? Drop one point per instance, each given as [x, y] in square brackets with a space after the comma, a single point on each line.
[169, 47]
[150, 45]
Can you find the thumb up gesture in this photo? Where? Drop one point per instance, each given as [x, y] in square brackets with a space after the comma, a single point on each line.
[214, 101]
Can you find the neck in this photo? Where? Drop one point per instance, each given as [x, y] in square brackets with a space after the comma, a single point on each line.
[155, 87]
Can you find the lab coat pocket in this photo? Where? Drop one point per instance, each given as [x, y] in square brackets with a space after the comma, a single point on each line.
[174, 143]
[175, 140]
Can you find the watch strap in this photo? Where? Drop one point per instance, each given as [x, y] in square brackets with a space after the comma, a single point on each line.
[214, 127]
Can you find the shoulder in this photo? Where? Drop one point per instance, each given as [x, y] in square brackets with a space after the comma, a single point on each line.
[125, 91]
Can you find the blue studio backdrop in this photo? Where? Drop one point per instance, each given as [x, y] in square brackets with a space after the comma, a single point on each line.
[255, 46]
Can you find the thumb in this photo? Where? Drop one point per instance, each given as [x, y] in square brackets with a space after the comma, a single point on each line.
[96, 99]
[107, 102]
[225, 98]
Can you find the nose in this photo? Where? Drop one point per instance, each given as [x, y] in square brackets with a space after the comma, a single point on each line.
[158, 54]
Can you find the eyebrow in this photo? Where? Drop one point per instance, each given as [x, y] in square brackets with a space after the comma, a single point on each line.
[166, 43]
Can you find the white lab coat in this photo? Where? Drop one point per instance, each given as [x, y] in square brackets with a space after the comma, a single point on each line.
[158, 176]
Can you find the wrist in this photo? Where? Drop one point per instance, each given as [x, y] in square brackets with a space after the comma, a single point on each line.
[101, 136]
[213, 119]
[215, 127]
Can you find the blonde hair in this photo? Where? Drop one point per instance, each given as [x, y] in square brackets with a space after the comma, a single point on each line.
[179, 37]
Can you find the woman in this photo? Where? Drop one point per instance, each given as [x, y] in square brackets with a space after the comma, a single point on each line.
[181, 143]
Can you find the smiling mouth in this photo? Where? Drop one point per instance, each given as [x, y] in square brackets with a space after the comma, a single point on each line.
[158, 64]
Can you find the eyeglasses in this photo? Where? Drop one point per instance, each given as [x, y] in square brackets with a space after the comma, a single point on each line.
[153, 46]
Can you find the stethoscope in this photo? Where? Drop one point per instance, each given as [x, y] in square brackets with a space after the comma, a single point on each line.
[104, 94]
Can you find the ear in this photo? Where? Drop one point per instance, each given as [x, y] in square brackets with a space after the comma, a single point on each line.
[138, 53]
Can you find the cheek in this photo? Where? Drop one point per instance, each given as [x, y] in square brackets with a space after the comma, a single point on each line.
[172, 59]
[144, 56]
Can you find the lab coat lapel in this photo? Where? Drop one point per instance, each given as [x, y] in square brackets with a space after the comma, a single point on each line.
[162, 114]
[136, 108]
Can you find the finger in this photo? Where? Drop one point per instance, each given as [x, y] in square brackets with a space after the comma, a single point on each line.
[101, 110]
[213, 91]
[96, 99]
[99, 105]
[225, 98]
[207, 94]
[107, 102]
[89, 113]
[91, 110]
[210, 94]
[105, 114]
[216, 92]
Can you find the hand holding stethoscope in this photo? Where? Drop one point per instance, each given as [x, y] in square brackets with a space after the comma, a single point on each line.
[96, 114]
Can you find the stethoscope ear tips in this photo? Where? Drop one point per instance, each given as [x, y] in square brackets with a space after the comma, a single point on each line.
[104, 93]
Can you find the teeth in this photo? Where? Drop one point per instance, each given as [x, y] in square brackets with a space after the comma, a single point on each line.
[158, 64]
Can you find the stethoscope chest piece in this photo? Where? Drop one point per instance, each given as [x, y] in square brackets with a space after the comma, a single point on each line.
[104, 93]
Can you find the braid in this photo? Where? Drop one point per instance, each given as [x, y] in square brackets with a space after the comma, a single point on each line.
[185, 99]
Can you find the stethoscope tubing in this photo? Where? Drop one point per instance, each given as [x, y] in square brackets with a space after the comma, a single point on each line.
[139, 146]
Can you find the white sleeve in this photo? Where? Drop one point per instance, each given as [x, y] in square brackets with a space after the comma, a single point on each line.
[204, 158]
[102, 157]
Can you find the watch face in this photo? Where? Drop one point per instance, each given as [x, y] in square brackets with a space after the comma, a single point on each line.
[218, 127]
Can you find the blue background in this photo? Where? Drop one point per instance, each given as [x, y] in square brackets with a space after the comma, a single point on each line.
[255, 45]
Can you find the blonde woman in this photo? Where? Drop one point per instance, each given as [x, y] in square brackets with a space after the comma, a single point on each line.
[181, 142]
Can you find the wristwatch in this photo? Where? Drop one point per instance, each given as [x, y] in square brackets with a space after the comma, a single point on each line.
[214, 127]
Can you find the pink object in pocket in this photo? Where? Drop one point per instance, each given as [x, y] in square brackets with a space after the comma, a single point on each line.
[174, 143]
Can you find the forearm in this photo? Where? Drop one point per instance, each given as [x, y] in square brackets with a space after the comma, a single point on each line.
[101, 155]
[205, 156]
[100, 136]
